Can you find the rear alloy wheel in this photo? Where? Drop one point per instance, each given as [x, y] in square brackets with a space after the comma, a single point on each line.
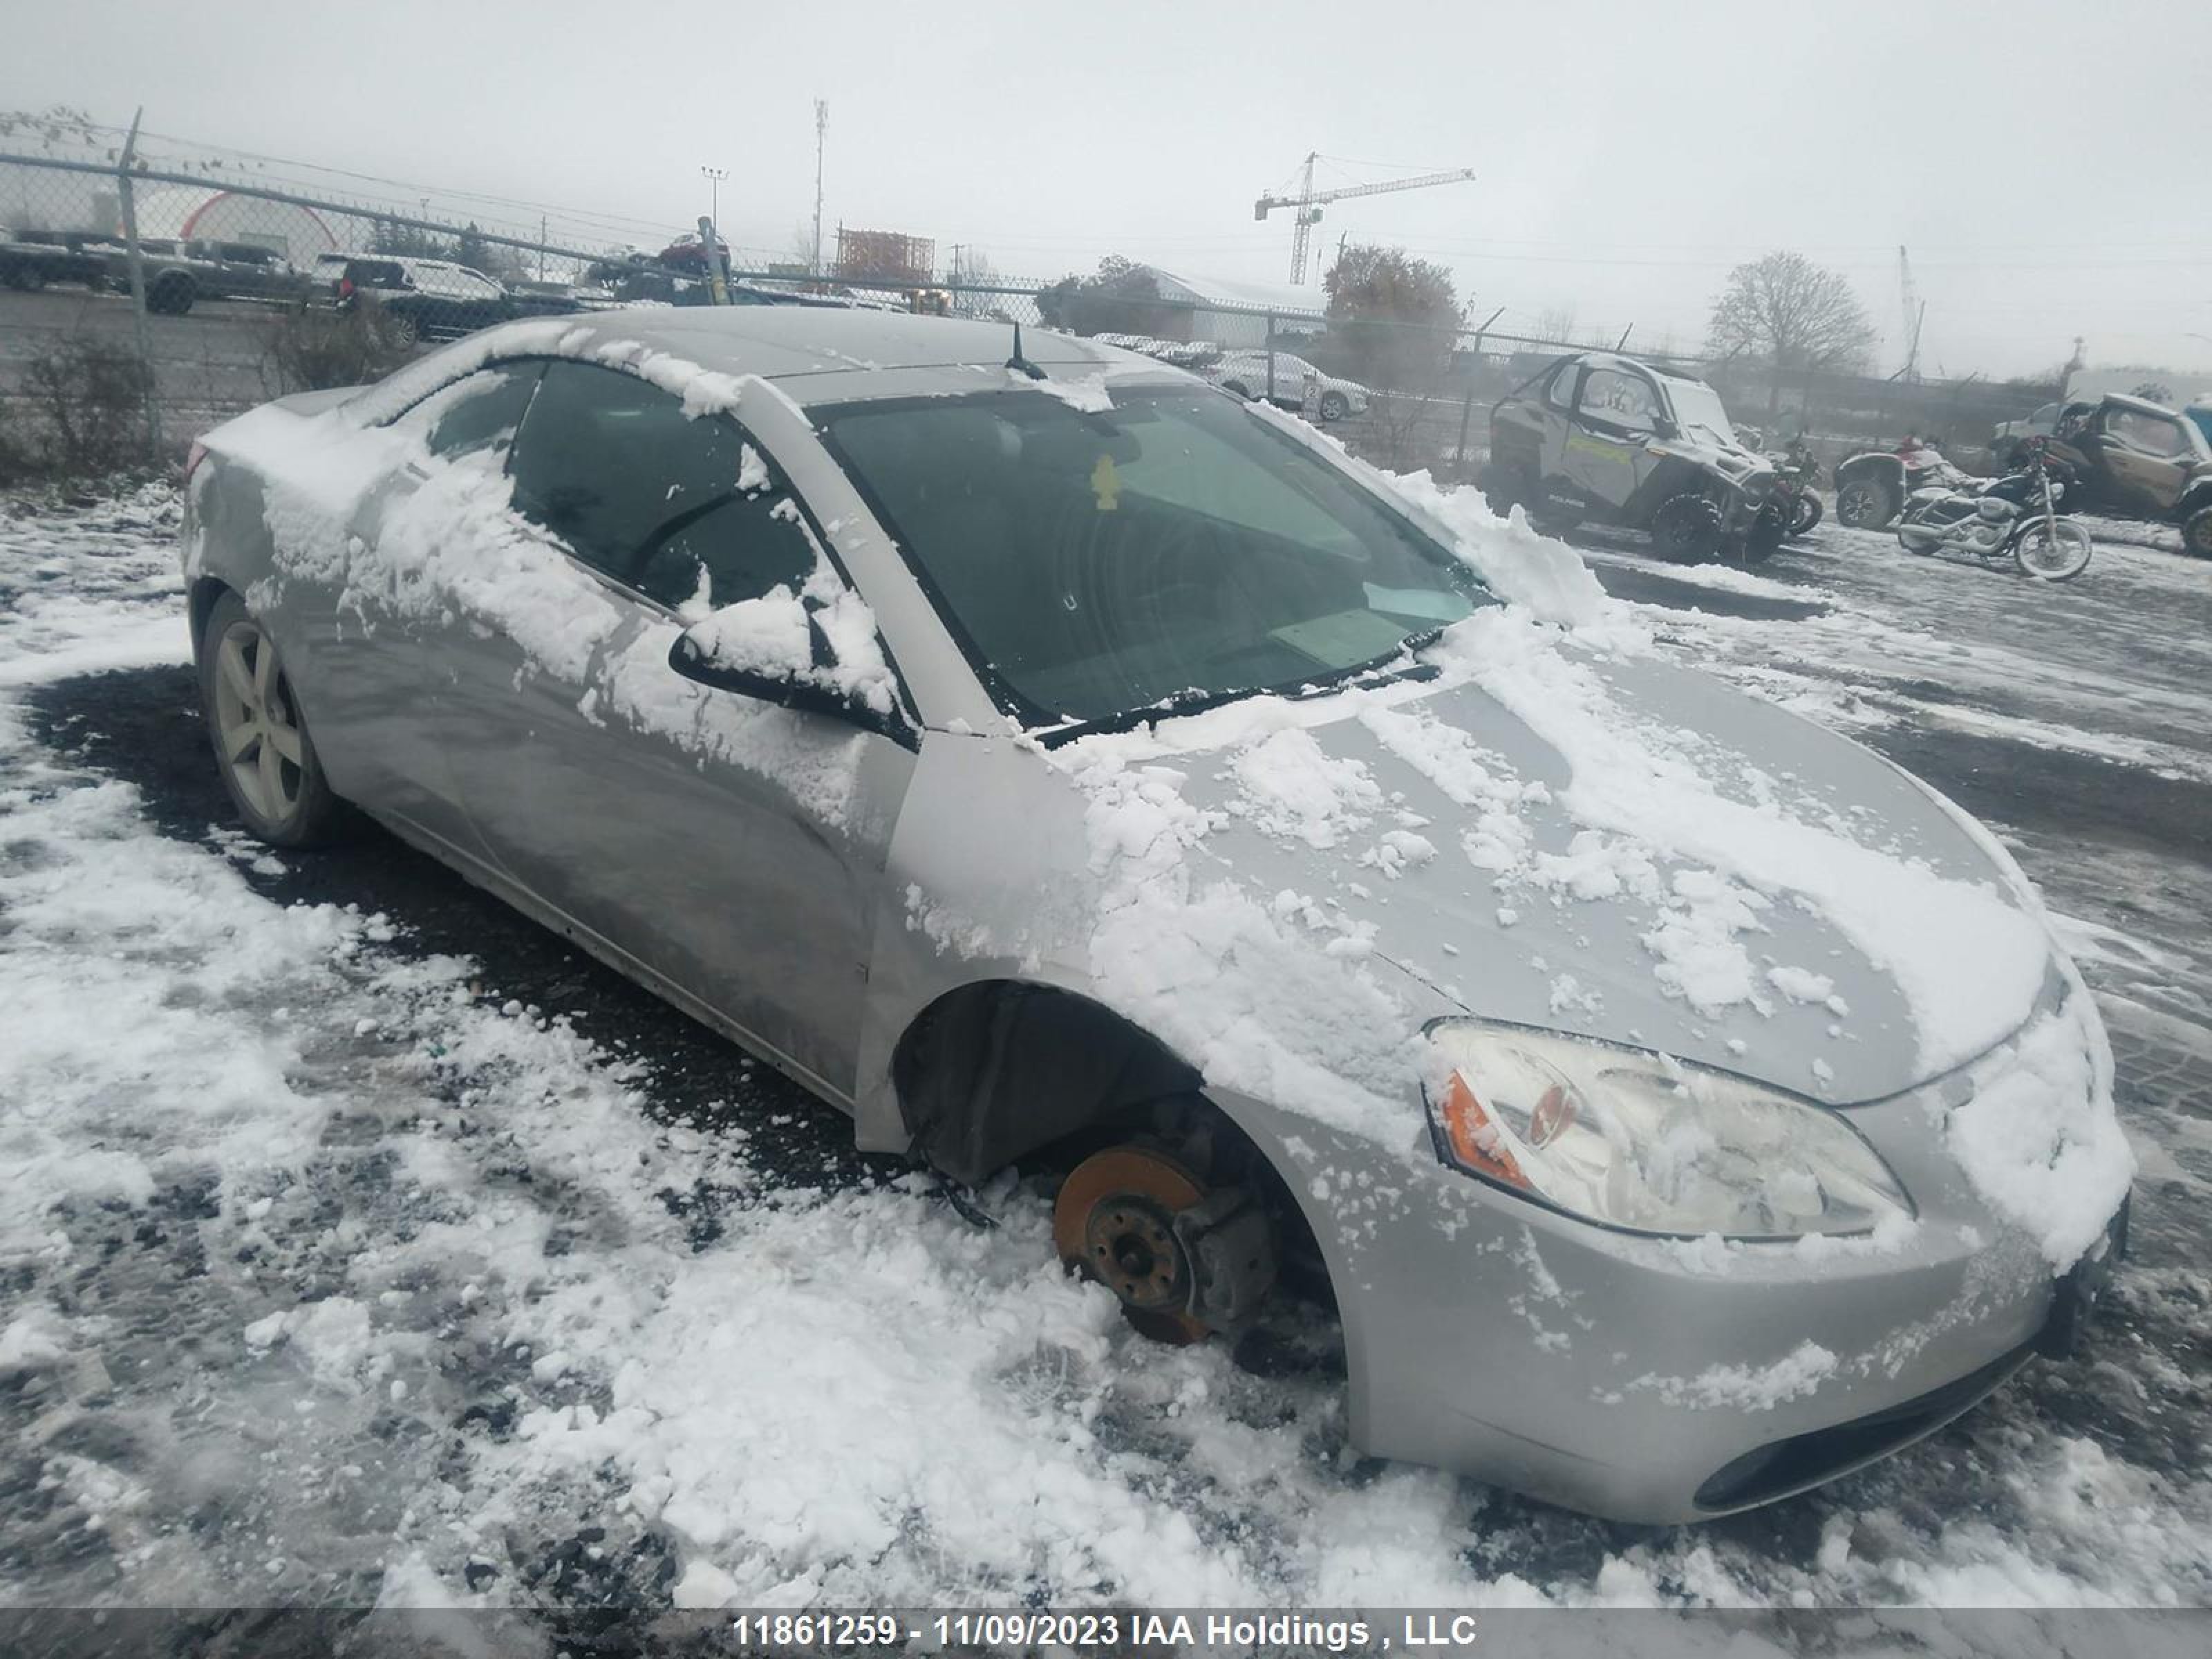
[1865, 504]
[1334, 405]
[2197, 532]
[268, 761]
[1687, 529]
[1145, 1226]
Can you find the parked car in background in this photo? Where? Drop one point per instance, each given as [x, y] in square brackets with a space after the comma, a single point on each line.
[965, 744]
[423, 299]
[1597, 435]
[2129, 455]
[1280, 378]
[179, 274]
[31, 259]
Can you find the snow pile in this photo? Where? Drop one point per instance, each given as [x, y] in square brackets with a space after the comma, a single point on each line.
[1086, 393]
[773, 635]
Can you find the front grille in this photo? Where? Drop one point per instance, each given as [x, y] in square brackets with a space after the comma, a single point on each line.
[1805, 1459]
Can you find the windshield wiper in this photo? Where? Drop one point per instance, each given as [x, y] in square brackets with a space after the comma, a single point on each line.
[1178, 704]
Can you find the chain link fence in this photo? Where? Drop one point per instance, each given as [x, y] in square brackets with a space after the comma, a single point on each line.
[141, 303]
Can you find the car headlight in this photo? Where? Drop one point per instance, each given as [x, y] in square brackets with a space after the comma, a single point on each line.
[1635, 1140]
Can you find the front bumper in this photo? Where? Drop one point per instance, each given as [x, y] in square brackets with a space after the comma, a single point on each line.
[1660, 1381]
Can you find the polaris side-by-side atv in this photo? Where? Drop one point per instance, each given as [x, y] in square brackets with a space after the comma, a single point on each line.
[1606, 438]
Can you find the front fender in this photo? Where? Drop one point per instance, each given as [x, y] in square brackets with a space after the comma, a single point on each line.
[1887, 469]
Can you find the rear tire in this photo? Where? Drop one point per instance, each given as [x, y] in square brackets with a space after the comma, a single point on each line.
[2197, 533]
[1807, 514]
[267, 761]
[1865, 504]
[1334, 405]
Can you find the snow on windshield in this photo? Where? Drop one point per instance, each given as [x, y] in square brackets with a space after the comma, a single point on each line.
[1698, 405]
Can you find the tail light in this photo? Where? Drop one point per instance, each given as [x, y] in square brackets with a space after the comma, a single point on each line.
[193, 457]
[345, 288]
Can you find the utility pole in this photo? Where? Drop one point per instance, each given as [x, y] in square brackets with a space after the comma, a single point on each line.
[130, 206]
[820, 136]
[542, 223]
[713, 177]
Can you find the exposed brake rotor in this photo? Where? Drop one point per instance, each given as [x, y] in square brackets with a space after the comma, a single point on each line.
[1114, 1220]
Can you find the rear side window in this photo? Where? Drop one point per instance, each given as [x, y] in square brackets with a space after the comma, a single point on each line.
[479, 412]
[679, 509]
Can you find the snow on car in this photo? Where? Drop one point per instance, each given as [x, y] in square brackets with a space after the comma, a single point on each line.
[1075, 760]
[555, 1302]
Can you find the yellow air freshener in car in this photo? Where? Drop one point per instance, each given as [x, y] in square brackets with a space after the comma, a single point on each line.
[1105, 484]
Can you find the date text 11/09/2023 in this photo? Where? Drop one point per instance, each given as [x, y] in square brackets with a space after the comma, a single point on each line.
[1115, 1632]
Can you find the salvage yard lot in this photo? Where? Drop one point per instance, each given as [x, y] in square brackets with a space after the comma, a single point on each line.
[368, 1244]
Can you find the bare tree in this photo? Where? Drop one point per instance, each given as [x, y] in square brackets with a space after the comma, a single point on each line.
[1792, 314]
[1557, 324]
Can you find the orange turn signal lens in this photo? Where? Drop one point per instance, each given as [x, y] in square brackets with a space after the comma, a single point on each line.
[1476, 1143]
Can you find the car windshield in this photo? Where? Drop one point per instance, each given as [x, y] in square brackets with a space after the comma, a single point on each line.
[1096, 564]
[1697, 409]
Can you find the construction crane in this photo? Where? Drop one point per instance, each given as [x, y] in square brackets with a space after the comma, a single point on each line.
[1306, 205]
[1915, 312]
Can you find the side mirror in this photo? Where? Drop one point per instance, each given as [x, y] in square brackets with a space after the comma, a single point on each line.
[1663, 427]
[773, 650]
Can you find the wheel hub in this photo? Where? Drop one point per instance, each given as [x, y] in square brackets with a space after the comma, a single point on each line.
[1114, 1221]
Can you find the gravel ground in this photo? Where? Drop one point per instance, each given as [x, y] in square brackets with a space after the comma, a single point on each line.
[371, 1246]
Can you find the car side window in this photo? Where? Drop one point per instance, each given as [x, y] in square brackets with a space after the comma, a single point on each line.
[1560, 394]
[1620, 399]
[2148, 432]
[677, 508]
[477, 412]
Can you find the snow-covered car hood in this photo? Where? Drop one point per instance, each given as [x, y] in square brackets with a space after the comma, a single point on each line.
[1617, 847]
[1731, 460]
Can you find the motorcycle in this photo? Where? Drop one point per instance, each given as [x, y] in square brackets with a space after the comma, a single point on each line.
[1795, 469]
[2017, 514]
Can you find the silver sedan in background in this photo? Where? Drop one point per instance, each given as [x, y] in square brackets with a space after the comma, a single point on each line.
[1044, 757]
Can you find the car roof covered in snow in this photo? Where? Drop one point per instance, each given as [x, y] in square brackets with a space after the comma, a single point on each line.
[2142, 406]
[823, 355]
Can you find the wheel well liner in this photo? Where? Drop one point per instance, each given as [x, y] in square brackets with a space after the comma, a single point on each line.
[995, 1070]
[205, 591]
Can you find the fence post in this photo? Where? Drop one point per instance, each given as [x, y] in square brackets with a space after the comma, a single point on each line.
[129, 208]
[1269, 395]
[710, 241]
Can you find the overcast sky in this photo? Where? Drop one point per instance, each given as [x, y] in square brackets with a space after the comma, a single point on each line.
[2045, 163]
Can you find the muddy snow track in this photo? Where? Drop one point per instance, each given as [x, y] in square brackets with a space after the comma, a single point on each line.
[362, 1243]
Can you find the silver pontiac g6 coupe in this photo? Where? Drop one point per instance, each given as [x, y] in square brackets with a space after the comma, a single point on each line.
[1044, 756]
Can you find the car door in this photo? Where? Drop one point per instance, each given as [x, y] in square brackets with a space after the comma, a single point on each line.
[365, 633]
[1614, 421]
[1555, 404]
[730, 848]
[2146, 456]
